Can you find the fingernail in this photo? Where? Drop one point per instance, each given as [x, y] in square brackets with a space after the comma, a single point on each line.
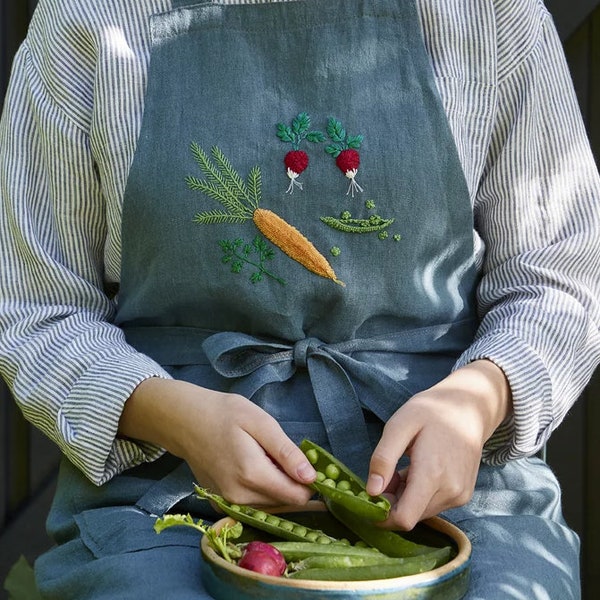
[306, 472]
[375, 484]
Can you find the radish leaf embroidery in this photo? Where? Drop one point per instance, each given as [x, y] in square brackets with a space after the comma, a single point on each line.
[296, 160]
[344, 148]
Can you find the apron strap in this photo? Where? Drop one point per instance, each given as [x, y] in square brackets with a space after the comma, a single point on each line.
[168, 491]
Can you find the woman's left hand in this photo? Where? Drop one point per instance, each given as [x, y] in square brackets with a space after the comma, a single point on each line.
[442, 430]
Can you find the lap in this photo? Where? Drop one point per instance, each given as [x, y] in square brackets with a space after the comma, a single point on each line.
[522, 549]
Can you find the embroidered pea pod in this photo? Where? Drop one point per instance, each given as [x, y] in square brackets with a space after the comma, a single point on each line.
[391, 543]
[273, 524]
[337, 482]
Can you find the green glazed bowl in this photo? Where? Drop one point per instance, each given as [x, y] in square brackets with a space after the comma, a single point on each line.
[225, 581]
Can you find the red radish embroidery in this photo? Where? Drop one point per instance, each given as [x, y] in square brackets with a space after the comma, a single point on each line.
[296, 160]
[344, 148]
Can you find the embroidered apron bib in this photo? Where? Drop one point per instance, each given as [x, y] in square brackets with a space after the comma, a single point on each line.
[297, 229]
[296, 226]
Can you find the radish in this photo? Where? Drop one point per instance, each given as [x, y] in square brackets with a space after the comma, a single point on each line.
[296, 160]
[344, 148]
[263, 558]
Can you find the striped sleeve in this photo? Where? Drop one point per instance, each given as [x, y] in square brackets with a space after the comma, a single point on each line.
[538, 212]
[70, 369]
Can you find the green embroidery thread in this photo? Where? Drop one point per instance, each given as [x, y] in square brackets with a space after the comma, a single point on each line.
[344, 148]
[296, 160]
[349, 225]
[237, 253]
[241, 201]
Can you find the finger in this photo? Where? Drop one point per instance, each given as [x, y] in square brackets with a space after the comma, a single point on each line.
[283, 452]
[391, 447]
[416, 498]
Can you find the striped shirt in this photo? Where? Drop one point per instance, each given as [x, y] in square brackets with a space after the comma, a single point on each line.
[67, 137]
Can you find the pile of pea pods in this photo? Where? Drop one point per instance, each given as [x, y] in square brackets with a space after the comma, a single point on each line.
[313, 554]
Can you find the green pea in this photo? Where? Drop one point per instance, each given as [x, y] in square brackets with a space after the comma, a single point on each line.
[286, 525]
[235, 507]
[300, 530]
[260, 515]
[320, 476]
[311, 536]
[323, 540]
[313, 456]
[343, 485]
[362, 494]
[332, 471]
[273, 520]
[329, 483]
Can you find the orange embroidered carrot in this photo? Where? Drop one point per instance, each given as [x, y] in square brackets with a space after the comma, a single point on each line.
[241, 201]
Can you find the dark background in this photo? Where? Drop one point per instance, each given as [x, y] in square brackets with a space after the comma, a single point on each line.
[28, 462]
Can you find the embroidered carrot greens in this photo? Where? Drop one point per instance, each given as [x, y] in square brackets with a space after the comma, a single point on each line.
[237, 253]
[241, 199]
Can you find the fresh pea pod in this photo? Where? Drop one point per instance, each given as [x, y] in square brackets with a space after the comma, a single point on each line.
[339, 483]
[383, 571]
[273, 524]
[389, 542]
[344, 559]
[301, 550]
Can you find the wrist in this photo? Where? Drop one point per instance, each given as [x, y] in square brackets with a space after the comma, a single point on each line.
[482, 389]
[156, 413]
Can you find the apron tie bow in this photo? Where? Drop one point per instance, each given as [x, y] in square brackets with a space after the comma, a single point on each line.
[304, 348]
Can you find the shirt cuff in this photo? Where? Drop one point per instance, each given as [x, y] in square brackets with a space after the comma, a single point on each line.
[526, 431]
[89, 418]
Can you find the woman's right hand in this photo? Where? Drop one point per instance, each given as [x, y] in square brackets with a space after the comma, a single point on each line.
[232, 446]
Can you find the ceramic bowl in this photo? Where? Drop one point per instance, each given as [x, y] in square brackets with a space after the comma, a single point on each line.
[225, 581]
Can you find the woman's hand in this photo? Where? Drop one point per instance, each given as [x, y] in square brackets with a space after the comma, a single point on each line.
[442, 430]
[232, 446]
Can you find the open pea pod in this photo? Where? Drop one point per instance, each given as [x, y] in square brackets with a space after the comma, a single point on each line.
[337, 482]
[264, 521]
[391, 543]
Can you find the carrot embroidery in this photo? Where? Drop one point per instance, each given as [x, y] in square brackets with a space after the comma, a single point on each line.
[241, 199]
[344, 148]
[296, 160]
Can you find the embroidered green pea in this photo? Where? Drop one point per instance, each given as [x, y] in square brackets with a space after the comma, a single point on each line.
[352, 493]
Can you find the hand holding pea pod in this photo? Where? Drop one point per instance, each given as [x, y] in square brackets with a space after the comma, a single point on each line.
[231, 444]
[337, 482]
[443, 430]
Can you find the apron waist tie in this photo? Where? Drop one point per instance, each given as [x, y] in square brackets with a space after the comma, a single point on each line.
[334, 370]
[165, 493]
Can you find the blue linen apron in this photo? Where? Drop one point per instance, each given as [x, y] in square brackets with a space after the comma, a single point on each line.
[297, 229]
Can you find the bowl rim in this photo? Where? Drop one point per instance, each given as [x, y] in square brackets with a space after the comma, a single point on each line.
[460, 562]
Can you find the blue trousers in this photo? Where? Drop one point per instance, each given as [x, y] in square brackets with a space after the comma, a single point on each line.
[106, 548]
